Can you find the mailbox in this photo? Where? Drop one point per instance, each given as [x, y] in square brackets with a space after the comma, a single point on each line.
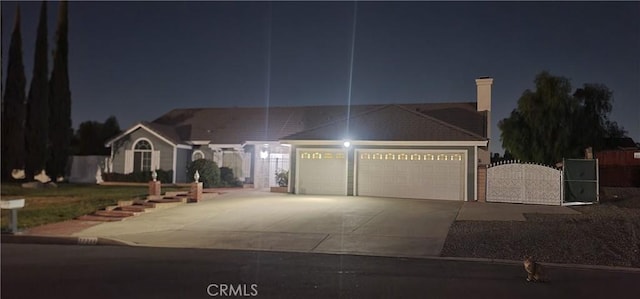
[12, 204]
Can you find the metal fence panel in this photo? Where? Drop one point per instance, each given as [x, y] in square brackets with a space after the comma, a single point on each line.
[580, 180]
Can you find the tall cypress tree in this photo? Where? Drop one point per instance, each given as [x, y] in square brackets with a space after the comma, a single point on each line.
[38, 102]
[13, 106]
[60, 100]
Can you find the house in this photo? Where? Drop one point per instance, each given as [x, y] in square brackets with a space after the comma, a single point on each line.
[427, 150]
[619, 163]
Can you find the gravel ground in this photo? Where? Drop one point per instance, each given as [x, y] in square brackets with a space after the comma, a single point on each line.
[603, 234]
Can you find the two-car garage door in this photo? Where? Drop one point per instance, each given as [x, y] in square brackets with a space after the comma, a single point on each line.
[427, 174]
[411, 174]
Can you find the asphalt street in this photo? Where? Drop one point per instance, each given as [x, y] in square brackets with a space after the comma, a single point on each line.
[66, 271]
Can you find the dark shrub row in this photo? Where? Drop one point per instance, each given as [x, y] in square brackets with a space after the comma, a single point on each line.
[164, 176]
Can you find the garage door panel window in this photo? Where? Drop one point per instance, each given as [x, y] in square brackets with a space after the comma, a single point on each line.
[410, 157]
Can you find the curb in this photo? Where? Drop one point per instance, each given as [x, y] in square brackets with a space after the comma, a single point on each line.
[555, 265]
[62, 240]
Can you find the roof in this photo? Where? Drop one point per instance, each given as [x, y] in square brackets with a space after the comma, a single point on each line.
[388, 123]
[238, 125]
[163, 132]
[168, 132]
[620, 143]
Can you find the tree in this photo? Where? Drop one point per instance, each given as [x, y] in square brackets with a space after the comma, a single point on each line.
[110, 129]
[60, 100]
[596, 102]
[38, 102]
[13, 111]
[91, 136]
[551, 123]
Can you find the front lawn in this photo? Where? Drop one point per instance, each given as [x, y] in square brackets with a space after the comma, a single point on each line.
[66, 202]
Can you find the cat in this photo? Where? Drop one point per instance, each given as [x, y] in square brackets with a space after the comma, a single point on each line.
[534, 269]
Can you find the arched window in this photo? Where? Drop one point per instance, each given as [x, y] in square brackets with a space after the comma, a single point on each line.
[142, 155]
[197, 155]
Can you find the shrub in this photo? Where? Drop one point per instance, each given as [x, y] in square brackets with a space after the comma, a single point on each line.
[282, 177]
[208, 170]
[164, 176]
[228, 179]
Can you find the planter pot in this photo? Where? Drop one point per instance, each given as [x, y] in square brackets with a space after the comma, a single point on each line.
[280, 189]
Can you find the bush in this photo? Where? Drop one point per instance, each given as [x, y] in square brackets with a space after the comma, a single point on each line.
[282, 177]
[228, 179]
[164, 176]
[208, 170]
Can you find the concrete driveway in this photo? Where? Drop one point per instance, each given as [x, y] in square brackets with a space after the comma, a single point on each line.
[284, 222]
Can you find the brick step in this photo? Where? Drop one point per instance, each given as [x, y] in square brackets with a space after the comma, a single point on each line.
[176, 193]
[135, 208]
[148, 205]
[166, 200]
[100, 218]
[122, 203]
[114, 213]
[144, 202]
[111, 208]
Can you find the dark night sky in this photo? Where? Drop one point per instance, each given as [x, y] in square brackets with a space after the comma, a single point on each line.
[138, 60]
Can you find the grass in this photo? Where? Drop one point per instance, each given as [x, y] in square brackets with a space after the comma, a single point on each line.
[65, 202]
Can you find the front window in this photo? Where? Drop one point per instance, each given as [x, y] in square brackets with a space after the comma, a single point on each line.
[197, 155]
[142, 156]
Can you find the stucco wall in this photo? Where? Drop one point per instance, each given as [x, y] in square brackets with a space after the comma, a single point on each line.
[126, 143]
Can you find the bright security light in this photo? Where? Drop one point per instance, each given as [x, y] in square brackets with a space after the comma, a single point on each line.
[347, 143]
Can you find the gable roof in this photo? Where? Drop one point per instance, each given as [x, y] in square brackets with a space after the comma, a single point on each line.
[168, 132]
[238, 125]
[161, 132]
[388, 123]
[472, 121]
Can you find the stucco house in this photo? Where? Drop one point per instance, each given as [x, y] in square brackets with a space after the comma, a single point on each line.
[427, 150]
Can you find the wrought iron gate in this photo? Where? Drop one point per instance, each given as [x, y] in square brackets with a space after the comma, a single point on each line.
[515, 182]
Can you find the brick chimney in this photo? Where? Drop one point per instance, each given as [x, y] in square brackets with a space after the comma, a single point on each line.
[483, 103]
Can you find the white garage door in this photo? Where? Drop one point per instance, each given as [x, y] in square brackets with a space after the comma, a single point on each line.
[322, 171]
[411, 174]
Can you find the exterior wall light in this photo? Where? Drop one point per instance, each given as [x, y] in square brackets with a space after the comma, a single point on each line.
[347, 143]
[264, 153]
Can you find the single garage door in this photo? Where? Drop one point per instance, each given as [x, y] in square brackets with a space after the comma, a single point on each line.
[411, 174]
[321, 171]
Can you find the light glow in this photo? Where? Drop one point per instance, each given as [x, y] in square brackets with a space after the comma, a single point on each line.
[347, 143]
